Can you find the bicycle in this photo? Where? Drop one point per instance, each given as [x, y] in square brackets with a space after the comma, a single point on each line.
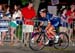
[40, 38]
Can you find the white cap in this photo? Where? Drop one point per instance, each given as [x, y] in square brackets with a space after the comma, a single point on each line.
[42, 10]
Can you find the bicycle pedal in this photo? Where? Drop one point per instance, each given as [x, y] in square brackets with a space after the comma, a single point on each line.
[51, 42]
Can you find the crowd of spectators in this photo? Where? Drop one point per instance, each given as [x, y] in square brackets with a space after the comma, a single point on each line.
[27, 14]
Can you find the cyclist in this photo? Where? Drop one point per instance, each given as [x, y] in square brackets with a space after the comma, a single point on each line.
[46, 23]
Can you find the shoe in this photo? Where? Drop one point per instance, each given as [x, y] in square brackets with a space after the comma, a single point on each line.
[16, 41]
[1, 44]
[47, 42]
[32, 40]
[56, 39]
[11, 44]
[26, 44]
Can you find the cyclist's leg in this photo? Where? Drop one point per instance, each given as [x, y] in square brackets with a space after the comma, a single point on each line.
[51, 33]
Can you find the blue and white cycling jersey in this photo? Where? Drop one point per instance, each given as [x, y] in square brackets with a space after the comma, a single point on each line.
[55, 21]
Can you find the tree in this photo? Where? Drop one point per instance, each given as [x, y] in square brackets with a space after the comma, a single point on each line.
[36, 4]
[24, 2]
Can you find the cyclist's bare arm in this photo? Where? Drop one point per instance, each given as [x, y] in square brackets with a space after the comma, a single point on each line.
[41, 23]
[48, 26]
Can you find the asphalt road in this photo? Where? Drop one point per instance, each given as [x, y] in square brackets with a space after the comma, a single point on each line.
[21, 49]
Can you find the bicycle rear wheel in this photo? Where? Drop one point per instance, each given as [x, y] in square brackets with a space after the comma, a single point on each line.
[36, 41]
[63, 41]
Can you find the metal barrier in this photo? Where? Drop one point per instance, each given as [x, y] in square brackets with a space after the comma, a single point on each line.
[70, 30]
[74, 26]
[72, 37]
[4, 26]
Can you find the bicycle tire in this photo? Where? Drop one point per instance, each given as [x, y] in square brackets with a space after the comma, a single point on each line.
[36, 48]
[60, 40]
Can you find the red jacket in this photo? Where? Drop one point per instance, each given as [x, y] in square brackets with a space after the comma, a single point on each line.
[70, 19]
[28, 15]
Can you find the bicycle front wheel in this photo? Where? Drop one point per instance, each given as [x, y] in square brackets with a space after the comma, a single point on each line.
[36, 41]
[63, 41]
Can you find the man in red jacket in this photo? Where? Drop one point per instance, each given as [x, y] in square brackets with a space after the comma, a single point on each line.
[28, 13]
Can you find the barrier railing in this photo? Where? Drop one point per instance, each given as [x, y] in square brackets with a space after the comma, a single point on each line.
[70, 30]
[4, 26]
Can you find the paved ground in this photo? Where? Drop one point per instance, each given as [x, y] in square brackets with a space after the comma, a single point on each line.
[21, 49]
[27, 50]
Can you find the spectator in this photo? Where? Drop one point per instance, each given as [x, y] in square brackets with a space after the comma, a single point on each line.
[28, 13]
[64, 23]
[1, 11]
[13, 24]
[71, 15]
[42, 5]
[7, 13]
[1, 16]
[6, 16]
